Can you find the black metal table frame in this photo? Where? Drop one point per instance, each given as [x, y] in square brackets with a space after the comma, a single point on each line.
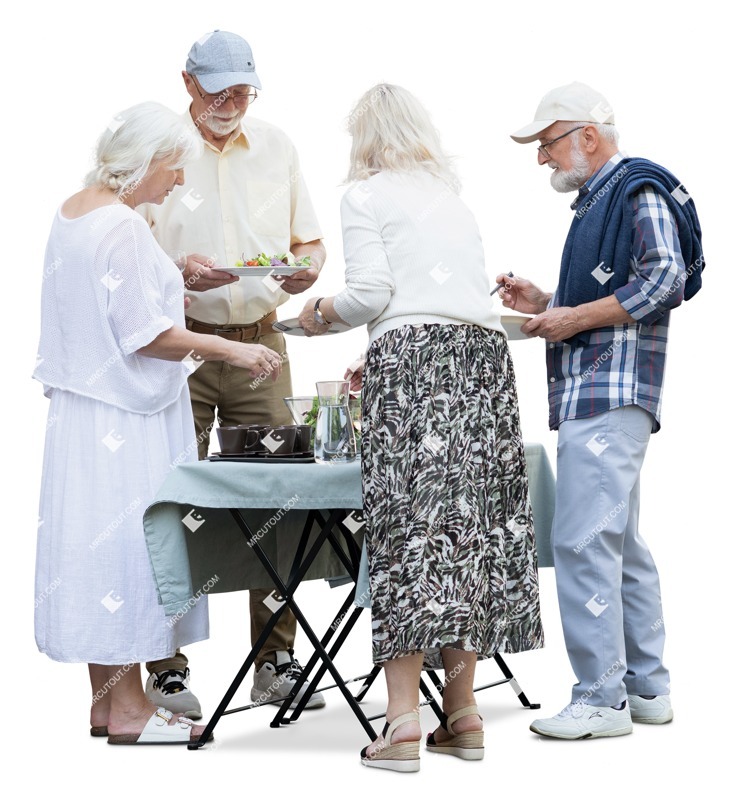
[343, 622]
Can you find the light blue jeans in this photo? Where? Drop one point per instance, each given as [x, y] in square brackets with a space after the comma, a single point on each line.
[608, 586]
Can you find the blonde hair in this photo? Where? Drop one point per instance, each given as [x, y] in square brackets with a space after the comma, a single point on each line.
[136, 138]
[391, 130]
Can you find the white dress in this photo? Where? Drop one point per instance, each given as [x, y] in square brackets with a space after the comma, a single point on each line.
[118, 423]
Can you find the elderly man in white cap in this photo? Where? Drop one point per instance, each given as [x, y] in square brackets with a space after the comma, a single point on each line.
[633, 253]
[245, 195]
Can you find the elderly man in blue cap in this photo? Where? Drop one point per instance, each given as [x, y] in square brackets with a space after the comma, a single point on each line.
[245, 195]
[632, 254]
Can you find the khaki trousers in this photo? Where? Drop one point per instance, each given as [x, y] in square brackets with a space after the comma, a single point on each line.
[236, 398]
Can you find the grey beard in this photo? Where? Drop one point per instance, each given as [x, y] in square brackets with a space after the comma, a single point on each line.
[220, 128]
[573, 179]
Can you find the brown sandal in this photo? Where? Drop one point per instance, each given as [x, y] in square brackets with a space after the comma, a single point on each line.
[468, 745]
[98, 730]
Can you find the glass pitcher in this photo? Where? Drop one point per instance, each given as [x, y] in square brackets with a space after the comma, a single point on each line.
[334, 436]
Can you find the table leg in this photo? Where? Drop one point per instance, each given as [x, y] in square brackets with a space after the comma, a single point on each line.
[286, 592]
[351, 564]
[221, 709]
[279, 717]
[341, 638]
[369, 680]
[509, 678]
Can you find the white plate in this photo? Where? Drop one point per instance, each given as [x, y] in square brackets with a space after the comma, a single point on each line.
[261, 272]
[512, 324]
[292, 327]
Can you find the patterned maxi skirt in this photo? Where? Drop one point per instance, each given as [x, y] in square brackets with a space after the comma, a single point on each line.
[450, 536]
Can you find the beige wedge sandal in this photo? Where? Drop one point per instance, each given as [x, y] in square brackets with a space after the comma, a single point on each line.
[469, 745]
[400, 757]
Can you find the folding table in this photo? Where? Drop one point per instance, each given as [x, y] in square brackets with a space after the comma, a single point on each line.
[232, 526]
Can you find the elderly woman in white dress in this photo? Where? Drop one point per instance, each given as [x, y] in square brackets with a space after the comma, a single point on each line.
[114, 356]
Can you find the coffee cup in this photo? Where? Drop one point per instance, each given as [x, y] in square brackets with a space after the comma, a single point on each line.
[278, 440]
[253, 438]
[231, 439]
[303, 438]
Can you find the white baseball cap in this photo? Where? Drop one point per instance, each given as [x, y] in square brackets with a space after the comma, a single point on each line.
[574, 102]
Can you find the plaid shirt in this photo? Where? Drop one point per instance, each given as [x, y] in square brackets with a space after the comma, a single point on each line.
[623, 364]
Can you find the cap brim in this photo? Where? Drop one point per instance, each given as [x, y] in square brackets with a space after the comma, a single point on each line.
[218, 82]
[532, 132]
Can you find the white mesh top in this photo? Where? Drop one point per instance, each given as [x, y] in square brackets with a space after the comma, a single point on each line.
[108, 290]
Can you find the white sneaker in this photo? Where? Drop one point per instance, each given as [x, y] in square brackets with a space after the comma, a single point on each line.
[276, 681]
[170, 689]
[580, 721]
[653, 712]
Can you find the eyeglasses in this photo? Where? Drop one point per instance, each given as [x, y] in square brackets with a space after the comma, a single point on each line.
[240, 99]
[543, 149]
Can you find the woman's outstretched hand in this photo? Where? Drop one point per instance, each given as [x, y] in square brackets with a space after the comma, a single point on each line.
[355, 374]
[261, 361]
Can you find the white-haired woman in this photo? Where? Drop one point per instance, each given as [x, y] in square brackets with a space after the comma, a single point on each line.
[114, 356]
[450, 536]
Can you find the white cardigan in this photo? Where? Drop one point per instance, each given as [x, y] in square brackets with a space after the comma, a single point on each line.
[413, 256]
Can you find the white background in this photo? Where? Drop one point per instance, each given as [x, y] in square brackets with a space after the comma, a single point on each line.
[666, 69]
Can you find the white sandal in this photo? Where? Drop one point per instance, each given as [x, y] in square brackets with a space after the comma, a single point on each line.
[158, 731]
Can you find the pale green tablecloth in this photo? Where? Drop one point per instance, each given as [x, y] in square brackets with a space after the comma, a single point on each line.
[274, 499]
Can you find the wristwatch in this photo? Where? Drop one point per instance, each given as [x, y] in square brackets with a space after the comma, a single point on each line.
[318, 317]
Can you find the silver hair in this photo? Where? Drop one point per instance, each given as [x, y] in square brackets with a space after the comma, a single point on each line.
[141, 135]
[606, 131]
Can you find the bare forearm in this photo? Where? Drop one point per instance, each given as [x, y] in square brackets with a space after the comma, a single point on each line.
[177, 343]
[326, 306]
[315, 249]
[563, 322]
[601, 313]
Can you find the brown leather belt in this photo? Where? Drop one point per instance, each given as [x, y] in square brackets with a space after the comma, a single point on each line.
[236, 333]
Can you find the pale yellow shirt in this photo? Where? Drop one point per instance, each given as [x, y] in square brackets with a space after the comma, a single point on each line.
[250, 198]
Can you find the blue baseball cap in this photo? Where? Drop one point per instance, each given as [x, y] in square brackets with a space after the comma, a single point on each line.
[220, 60]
